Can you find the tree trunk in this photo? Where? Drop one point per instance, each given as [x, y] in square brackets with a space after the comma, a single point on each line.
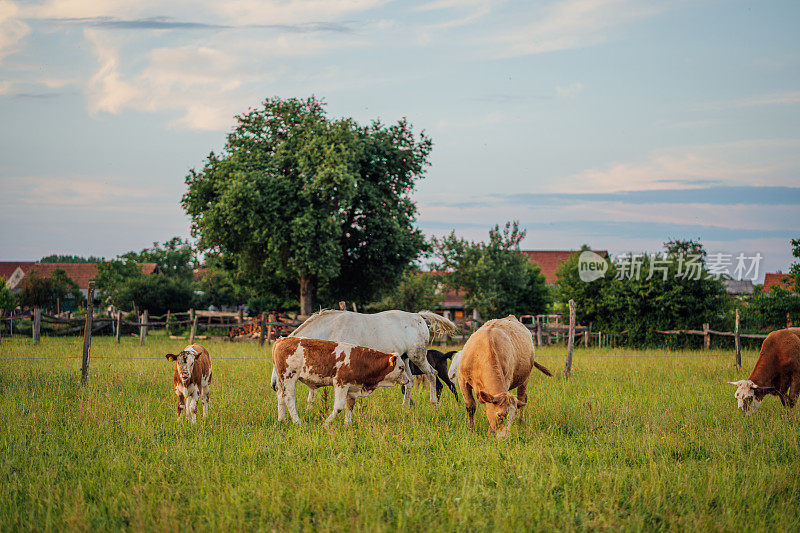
[308, 294]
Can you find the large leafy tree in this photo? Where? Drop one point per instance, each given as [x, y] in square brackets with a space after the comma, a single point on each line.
[175, 257]
[416, 290]
[295, 194]
[496, 278]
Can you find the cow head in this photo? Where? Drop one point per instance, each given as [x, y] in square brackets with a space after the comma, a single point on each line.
[185, 362]
[500, 410]
[749, 395]
[397, 371]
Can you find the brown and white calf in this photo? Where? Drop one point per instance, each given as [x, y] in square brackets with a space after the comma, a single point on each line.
[192, 378]
[777, 371]
[496, 359]
[353, 371]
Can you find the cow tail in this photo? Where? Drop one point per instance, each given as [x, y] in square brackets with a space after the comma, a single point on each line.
[542, 369]
[437, 324]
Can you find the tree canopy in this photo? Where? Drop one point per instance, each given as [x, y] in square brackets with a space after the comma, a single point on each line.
[497, 279]
[325, 202]
[657, 298]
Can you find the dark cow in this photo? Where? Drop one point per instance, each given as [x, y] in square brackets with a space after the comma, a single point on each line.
[777, 371]
[438, 361]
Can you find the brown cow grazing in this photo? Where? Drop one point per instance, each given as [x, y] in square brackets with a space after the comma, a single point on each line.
[192, 377]
[352, 370]
[776, 372]
[497, 358]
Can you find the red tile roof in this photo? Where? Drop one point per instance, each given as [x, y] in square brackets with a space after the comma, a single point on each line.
[80, 273]
[551, 260]
[778, 280]
[8, 267]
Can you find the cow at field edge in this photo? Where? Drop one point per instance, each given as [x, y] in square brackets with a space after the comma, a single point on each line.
[353, 371]
[192, 378]
[496, 359]
[777, 371]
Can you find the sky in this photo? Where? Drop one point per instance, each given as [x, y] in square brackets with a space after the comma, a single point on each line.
[615, 123]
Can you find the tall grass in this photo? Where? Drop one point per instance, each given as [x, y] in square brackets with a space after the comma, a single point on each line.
[644, 442]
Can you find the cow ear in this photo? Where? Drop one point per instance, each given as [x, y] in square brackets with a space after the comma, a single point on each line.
[392, 359]
[172, 356]
[735, 383]
[485, 397]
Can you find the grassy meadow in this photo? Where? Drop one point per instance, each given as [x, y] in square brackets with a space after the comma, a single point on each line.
[642, 442]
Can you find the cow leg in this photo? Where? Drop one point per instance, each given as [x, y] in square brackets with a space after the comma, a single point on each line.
[339, 403]
[281, 401]
[408, 388]
[441, 370]
[206, 392]
[312, 395]
[191, 408]
[469, 402]
[348, 413]
[421, 360]
[181, 406]
[290, 388]
[794, 390]
[522, 395]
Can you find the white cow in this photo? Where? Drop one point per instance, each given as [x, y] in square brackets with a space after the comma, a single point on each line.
[390, 332]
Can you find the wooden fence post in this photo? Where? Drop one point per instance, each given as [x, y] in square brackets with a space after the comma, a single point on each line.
[193, 332]
[37, 325]
[119, 325]
[263, 333]
[706, 337]
[570, 338]
[587, 335]
[538, 332]
[271, 318]
[143, 327]
[240, 317]
[355, 309]
[87, 332]
[736, 342]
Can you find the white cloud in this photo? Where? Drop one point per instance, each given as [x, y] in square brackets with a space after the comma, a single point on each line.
[99, 193]
[107, 90]
[12, 29]
[749, 162]
[205, 86]
[767, 99]
[290, 12]
[570, 24]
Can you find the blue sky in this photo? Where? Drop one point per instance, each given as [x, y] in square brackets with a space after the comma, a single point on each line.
[617, 123]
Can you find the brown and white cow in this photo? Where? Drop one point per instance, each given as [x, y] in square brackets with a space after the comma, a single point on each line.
[353, 371]
[496, 359]
[777, 371]
[192, 378]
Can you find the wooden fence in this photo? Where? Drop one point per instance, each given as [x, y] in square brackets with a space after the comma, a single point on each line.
[270, 324]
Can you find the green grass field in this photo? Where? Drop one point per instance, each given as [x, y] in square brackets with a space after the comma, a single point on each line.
[636, 443]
